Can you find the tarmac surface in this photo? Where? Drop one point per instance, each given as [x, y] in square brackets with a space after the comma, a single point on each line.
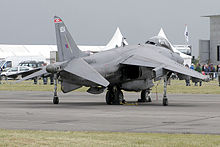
[85, 112]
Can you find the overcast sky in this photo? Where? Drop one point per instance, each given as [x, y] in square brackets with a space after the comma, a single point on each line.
[93, 22]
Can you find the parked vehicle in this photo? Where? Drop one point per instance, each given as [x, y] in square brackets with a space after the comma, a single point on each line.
[10, 62]
[15, 72]
[33, 64]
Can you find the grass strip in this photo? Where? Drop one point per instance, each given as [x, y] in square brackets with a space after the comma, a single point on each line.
[175, 87]
[68, 138]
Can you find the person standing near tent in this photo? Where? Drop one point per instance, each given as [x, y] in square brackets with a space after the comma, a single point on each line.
[192, 66]
[206, 69]
[211, 71]
[219, 75]
[0, 76]
[188, 77]
[199, 69]
[123, 42]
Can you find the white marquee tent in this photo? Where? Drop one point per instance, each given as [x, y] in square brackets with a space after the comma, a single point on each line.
[44, 50]
[187, 58]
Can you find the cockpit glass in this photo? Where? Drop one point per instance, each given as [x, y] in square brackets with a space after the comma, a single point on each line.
[159, 41]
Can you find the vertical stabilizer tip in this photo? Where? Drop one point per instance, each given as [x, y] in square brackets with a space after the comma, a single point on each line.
[57, 19]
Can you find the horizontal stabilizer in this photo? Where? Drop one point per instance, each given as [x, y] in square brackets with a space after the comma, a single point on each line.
[82, 69]
[36, 74]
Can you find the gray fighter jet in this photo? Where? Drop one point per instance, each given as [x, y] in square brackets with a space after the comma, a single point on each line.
[128, 68]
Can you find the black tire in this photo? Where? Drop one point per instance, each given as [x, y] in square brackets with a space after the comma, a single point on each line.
[55, 100]
[165, 102]
[149, 99]
[143, 95]
[109, 97]
[119, 98]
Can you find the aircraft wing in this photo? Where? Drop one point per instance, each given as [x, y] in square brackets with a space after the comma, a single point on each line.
[141, 61]
[162, 62]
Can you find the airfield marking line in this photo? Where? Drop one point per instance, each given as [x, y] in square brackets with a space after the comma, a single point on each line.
[171, 123]
[42, 122]
[24, 100]
[194, 120]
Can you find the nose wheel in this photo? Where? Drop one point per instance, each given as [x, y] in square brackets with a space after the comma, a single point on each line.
[55, 97]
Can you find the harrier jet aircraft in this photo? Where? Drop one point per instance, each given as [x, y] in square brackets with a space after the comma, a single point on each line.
[128, 68]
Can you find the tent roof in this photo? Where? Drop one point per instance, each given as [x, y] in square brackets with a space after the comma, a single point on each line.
[116, 40]
[26, 50]
[162, 34]
[44, 50]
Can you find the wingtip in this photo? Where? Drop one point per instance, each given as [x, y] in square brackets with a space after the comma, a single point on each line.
[106, 84]
[207, 79]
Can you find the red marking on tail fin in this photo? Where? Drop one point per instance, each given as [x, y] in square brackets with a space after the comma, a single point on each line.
[57, 20]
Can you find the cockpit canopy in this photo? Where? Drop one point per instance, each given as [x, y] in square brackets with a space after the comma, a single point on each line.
[159, 41]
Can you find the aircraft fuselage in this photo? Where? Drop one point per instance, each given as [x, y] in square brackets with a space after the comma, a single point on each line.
[131, 78]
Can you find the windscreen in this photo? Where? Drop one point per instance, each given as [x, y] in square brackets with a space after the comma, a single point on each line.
[159, 41]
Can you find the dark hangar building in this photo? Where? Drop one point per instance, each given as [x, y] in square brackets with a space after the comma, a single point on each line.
[209, 50]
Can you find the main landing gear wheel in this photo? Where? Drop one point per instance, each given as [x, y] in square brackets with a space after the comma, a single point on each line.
[114, 96]
[119, 98]
[145, 96]
[55, 100]
[109, 98]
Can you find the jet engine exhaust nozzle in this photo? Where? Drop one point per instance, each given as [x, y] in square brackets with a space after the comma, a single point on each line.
[52, 68]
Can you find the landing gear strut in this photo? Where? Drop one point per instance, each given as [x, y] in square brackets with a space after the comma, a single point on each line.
[165, 100]
[114, 96]
[55, 97]
[145, 96]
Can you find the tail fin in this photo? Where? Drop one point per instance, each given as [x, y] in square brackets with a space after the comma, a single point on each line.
[67, 48]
